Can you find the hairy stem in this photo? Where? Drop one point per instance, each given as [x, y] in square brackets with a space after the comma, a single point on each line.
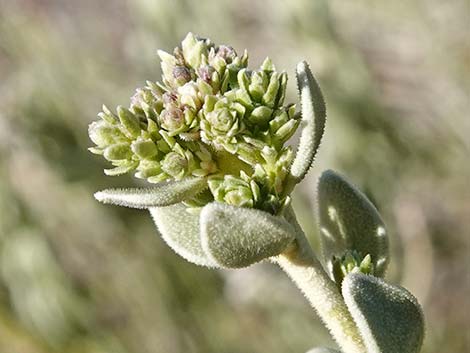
[302, 266]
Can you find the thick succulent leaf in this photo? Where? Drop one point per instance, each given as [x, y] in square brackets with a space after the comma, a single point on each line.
[180, 230]
[323, 350]
[349, 221]
[162, 194]
[389, 317]
[236, 237]
[313, 121]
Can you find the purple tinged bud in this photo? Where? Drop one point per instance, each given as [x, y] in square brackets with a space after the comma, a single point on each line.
[227, 53]
[169, 98]
[172, 119]
[181, 74]
[205, 73]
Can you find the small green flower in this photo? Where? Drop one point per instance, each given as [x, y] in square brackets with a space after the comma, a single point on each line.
[351, 262]
[178, 163]
[221, 121]
[241, 192]
[262, 87]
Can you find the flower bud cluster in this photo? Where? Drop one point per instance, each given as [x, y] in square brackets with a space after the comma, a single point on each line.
[351, 262]
[207, 107]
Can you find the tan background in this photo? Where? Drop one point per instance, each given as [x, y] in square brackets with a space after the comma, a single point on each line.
[80, 277]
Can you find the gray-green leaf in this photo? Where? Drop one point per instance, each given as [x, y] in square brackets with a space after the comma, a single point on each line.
[349, 221]
[236, 237]
[388, 317]
[162, 194]
[313, 121]
[180, 230]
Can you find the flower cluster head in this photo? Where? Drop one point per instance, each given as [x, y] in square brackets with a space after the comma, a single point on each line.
[209, 116]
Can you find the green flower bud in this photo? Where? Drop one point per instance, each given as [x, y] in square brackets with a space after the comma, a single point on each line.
[283, 125]
[179, 163]
[195, 51]
[144, 148]
[150, 170]
[351, 262]
[190, 95]
[259, 82]
[129, 121]
[221, 122]
[263, 87]
[175, 165]
[274, 168]
[108, 116]
[168, 64]
[270, 96]
[103, 134]
[119, 151]
[260, 116]
[147, 101]
[235, 191]
[267, 65]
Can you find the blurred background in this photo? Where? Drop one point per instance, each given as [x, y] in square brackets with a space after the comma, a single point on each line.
[80, 277]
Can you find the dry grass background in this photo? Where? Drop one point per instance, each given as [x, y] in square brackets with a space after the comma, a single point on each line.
[79, 277]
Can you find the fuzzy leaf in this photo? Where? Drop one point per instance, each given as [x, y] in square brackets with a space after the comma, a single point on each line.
[388, 317]
[313, 121]
[349, 221]
[236, 237]
[163, 194]
[180, 230]
[323, 350]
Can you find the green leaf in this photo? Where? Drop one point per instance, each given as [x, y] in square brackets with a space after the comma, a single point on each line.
[162, 194]
[323, 350]
[313, 121]
[349, 222]
[389, 317]
[236, 237]
[180, 230]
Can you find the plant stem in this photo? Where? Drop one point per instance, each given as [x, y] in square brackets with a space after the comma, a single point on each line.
[302, 266]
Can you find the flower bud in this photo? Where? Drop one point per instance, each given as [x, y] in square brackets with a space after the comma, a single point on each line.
[181, 74]
[205, 73]
[220, 125]
[129, 121]
[233, 191]
[194, 50]
[175, 165]
[169, 98]
[226, 53]
[270, 96]
[351, 262]
[258, 85]
[144, 149]
[168, 63]
[103, 134]
[260, 116]
[119, 151]
[189, 95]
[150, 170]
[172, 119]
